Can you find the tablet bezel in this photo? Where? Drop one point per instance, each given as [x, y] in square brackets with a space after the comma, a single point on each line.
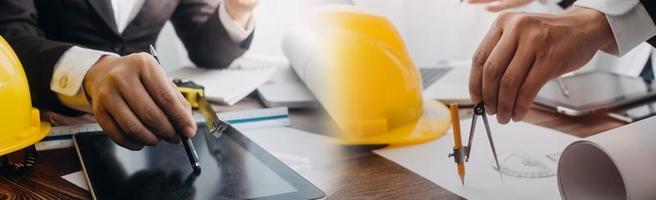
[305, 189]
[598, 106]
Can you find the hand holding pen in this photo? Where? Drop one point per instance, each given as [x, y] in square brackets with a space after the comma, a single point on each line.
[186, 142]
[135, 103]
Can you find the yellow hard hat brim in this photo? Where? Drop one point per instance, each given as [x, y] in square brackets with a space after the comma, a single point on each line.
[434, 122]
[20, 124]
[30, 137]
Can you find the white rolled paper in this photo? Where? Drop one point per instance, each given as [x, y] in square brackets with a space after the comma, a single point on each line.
[617, 164]
[308, 57]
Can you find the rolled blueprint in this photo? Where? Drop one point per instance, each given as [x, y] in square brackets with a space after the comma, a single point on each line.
[617, 164]
[308, 57]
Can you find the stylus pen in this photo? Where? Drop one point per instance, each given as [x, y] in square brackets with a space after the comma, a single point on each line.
[186, 142]
[562, 86]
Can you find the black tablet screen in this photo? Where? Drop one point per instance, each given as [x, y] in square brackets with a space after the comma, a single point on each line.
[232, 168]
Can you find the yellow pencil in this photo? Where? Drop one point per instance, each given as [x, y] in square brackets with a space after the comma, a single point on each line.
[455, 120]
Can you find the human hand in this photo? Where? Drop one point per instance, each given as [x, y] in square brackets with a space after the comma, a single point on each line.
[135, 103]
[241, 10]
[499, 5]
[522, 52]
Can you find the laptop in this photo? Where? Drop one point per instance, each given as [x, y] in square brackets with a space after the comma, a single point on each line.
[452, 86]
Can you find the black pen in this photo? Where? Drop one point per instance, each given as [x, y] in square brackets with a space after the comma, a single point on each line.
[188, 144]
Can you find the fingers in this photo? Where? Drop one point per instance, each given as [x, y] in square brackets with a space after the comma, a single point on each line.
[494, 68]
[502, 5]
[137, 102]
[480, 1]
[530, 88]
[128, 121]
[511, 81]
[479, 59]
[184, 102]
[110, 127]
[147, 110]
[194, 127]
[166, 96]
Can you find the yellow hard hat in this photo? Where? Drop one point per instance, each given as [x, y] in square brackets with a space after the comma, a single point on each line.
[20, 126]
[374, 89]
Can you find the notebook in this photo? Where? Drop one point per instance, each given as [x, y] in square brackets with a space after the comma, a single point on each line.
[227, 86]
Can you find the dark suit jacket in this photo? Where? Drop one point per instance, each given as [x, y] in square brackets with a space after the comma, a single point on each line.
[650, 6]
[40, 31]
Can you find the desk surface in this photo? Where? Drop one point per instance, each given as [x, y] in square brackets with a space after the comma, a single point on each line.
[355, 177]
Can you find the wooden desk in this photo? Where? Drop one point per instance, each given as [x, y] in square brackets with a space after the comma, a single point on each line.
[360, 175]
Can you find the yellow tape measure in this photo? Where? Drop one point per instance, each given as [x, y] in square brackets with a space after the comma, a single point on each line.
[191, 91]
[195, 95]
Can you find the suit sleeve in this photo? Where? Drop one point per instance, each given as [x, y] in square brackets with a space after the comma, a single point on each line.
[566, 3]
[198, 25]
[19, 26]
[650, 6]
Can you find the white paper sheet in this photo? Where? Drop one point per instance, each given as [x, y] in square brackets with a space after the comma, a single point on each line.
[298, 149]
[308, 154]
[78, 179]
[228, 86]
[482, 181]
[617, 164]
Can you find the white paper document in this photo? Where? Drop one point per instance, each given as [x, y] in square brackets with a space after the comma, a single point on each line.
[227, 86]
[78, 179]
[527, 153]
[298, 149]
[304, 152]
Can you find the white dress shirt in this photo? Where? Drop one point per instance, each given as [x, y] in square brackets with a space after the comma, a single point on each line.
[125, 11]
[632, 26]
[628, 19]
[71, 68]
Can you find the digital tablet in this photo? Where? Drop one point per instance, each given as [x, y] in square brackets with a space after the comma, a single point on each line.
[233, 167]
[593, 91]
[635, 112]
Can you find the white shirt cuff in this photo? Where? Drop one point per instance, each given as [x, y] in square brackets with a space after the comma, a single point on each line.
[630, 25]
[235, 31]
[609, 7]
[72, 67]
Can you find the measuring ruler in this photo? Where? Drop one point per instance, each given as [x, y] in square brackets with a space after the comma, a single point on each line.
[61, 136]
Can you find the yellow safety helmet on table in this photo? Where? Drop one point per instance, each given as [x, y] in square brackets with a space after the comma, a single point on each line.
[20, 126]
[360, 70]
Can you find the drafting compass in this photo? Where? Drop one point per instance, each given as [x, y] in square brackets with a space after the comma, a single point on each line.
[461, 153]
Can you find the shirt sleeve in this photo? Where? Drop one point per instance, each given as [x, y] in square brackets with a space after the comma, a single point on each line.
[628, 19]
[236, 32]
[69, 74]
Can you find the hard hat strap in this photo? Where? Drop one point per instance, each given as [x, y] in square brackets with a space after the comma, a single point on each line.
[10, 168]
